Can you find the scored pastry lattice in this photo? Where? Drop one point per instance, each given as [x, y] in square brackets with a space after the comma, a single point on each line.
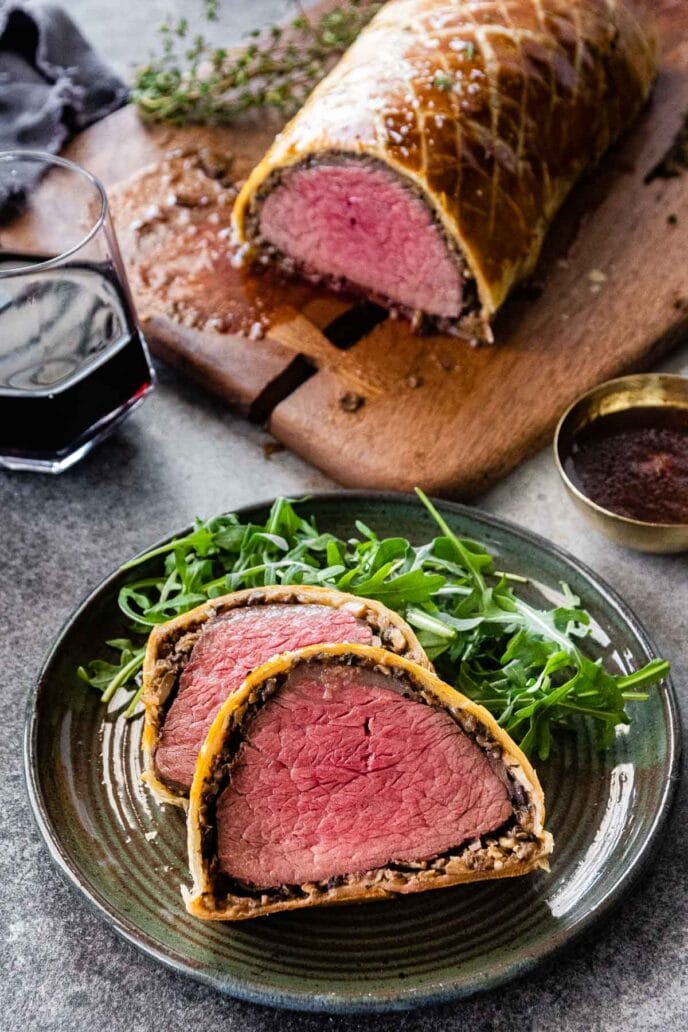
[494, 106]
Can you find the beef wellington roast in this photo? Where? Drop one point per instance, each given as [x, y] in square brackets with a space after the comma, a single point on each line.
[196, 660]
[426, 168]
[345, 772]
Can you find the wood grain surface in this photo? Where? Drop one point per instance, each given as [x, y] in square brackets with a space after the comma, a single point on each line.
[356, 392]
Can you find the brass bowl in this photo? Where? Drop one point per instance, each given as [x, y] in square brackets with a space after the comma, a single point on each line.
[656, 390]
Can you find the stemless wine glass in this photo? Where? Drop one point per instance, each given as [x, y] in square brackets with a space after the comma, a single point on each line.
[73, 361]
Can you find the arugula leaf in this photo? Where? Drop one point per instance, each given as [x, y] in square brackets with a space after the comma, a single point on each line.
[108, 677]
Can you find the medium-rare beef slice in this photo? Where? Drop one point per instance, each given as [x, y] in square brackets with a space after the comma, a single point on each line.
[343, 772]
[224, 654]
[356, 224]
[194, 661]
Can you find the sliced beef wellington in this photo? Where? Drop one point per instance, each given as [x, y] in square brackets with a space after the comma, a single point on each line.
[426, 168]
[195, 661]
[344, 773]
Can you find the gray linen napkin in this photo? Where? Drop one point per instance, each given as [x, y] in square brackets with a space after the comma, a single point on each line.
[52, 85]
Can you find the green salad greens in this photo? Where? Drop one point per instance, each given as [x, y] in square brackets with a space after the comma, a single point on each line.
[526, 665]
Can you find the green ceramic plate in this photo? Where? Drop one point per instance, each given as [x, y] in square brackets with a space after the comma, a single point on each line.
[126, 855]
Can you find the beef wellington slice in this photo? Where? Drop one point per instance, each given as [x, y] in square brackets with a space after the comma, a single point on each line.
[345, 773]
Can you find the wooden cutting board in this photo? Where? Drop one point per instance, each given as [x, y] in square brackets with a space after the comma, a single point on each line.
[356, 392]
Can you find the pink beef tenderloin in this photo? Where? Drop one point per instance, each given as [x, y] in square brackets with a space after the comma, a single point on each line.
[225, 653]
[341, 774]
[358, 222]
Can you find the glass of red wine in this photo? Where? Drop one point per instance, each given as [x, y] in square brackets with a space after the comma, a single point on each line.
[73, 361]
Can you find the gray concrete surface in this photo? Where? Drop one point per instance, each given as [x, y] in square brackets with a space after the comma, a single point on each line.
[62, 970]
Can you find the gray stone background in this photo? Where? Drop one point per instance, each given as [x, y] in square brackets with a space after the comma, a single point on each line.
[61, 969]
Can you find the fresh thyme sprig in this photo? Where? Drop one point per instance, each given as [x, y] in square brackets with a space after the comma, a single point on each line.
[192, 80]
[522, 663]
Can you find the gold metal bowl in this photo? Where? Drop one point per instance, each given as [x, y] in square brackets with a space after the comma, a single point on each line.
[656, 390]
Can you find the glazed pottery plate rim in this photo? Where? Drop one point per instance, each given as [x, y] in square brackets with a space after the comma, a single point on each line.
[376, 1000]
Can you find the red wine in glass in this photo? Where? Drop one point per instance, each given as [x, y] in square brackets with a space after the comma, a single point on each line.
[73, 361]
[66, 376]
